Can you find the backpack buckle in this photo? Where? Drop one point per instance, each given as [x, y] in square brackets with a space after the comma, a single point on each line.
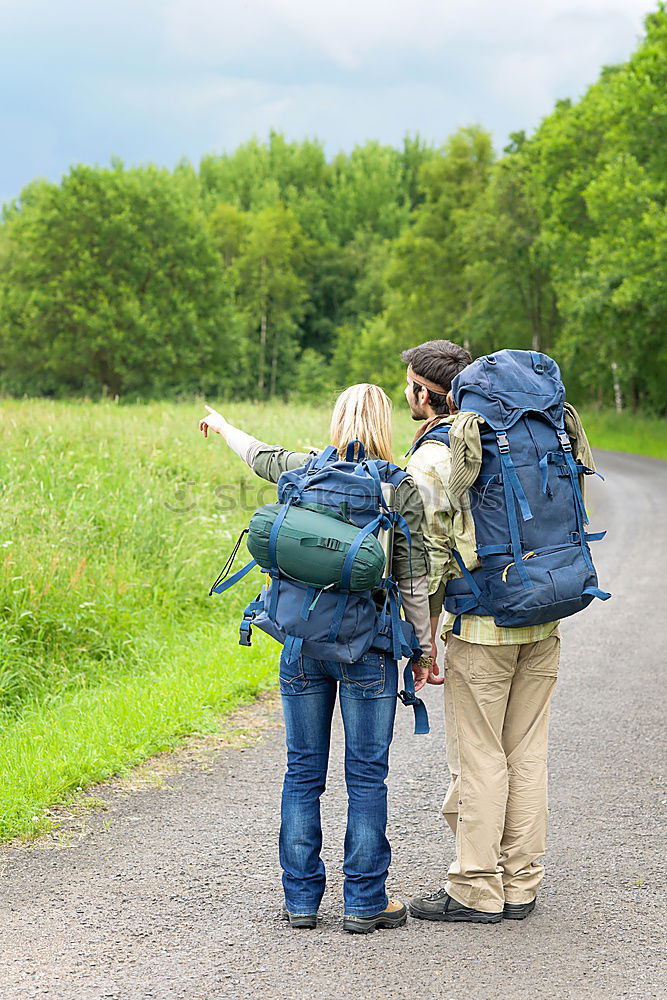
[332, 543]
[245, 633]
[503, 442]
[565, 442]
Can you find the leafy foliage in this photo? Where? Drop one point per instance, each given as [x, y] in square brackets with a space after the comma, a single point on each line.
[271, 270]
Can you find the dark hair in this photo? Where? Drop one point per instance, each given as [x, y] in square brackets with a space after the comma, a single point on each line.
[439, 361]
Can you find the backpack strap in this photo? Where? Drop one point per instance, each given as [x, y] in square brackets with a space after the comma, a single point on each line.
[538, 366]
[273, 534]
[409, 697]
[219, 586]
[603, 595]
[465, 603]
[348, 563]
[338, 616]
[346, 574]
[511, 473]
[582, 516]
[439, 433]
[292, 648]
[325, 456]
[510, 481]
[394, 517]
[349, 451]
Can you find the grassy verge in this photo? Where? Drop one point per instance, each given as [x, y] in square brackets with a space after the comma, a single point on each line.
[631, 433]
[83, 736]
[114, 522]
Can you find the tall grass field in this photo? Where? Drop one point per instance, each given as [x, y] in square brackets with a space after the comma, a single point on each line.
[114, 522]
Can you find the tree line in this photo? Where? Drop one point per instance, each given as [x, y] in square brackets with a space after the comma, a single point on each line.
[274, 271]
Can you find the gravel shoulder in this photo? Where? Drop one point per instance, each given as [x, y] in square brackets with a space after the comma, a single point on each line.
[171, 891]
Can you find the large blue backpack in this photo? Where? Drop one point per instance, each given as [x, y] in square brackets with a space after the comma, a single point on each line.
[334, 623]
[529, 514]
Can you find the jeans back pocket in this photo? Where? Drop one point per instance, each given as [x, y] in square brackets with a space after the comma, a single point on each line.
[366, 677]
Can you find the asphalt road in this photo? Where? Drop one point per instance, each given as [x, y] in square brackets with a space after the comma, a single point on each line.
[173, 893]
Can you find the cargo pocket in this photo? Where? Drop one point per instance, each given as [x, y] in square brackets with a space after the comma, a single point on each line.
[544, 657]
[490, 663]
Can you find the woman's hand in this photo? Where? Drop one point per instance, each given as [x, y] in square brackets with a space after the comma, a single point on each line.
[421, 671]
[213, 422]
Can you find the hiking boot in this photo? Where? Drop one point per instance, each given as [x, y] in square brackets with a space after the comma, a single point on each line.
[300, 919]
[518, 911]
[440, 906]
[394, 915]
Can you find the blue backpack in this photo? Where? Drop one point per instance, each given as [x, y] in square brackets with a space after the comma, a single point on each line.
[529, 514]
[334, 623]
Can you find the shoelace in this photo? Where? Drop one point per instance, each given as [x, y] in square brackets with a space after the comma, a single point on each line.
[434, 896]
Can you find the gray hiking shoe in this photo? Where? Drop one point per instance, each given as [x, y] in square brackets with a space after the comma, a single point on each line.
[308, 920]
[518, 911]
[440, 906]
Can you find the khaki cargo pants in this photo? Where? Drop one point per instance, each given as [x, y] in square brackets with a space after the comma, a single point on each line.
[497, 701]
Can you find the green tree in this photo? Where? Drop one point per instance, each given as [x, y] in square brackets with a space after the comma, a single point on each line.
[110, 280]
[271, 295]
[430, 294]
[599, 171]
[506, 266]
[367, 192]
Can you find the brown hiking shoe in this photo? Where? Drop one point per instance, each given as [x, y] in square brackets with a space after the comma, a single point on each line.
[395, 914]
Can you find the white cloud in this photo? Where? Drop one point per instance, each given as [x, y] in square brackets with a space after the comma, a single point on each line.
[348, 31]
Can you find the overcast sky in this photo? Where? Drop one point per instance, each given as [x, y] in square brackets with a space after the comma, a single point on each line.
[158, 80]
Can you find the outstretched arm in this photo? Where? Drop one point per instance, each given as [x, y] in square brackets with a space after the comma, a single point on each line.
[238, 440]
[266, 460]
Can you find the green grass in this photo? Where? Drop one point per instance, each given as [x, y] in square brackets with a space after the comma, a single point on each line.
[84, 735]
[628, 432]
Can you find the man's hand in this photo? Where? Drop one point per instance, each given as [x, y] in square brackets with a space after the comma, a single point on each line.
[213, 422]
[434, 676]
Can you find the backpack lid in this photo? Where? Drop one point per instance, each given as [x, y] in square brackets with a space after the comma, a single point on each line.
[501, 387]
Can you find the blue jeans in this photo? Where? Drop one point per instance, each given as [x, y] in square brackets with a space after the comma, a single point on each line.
[368, 691]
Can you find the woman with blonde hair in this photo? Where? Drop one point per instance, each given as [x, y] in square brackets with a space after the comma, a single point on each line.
[367, 690]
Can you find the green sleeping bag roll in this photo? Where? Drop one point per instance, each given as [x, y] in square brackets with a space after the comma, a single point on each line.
[312, 546]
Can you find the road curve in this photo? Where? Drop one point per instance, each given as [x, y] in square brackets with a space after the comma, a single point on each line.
[173, 894]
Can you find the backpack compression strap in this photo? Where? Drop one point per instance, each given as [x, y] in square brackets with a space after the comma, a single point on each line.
[582, 517]
[408, 697]
[222, 583]
[346, 574]
[512, 488]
